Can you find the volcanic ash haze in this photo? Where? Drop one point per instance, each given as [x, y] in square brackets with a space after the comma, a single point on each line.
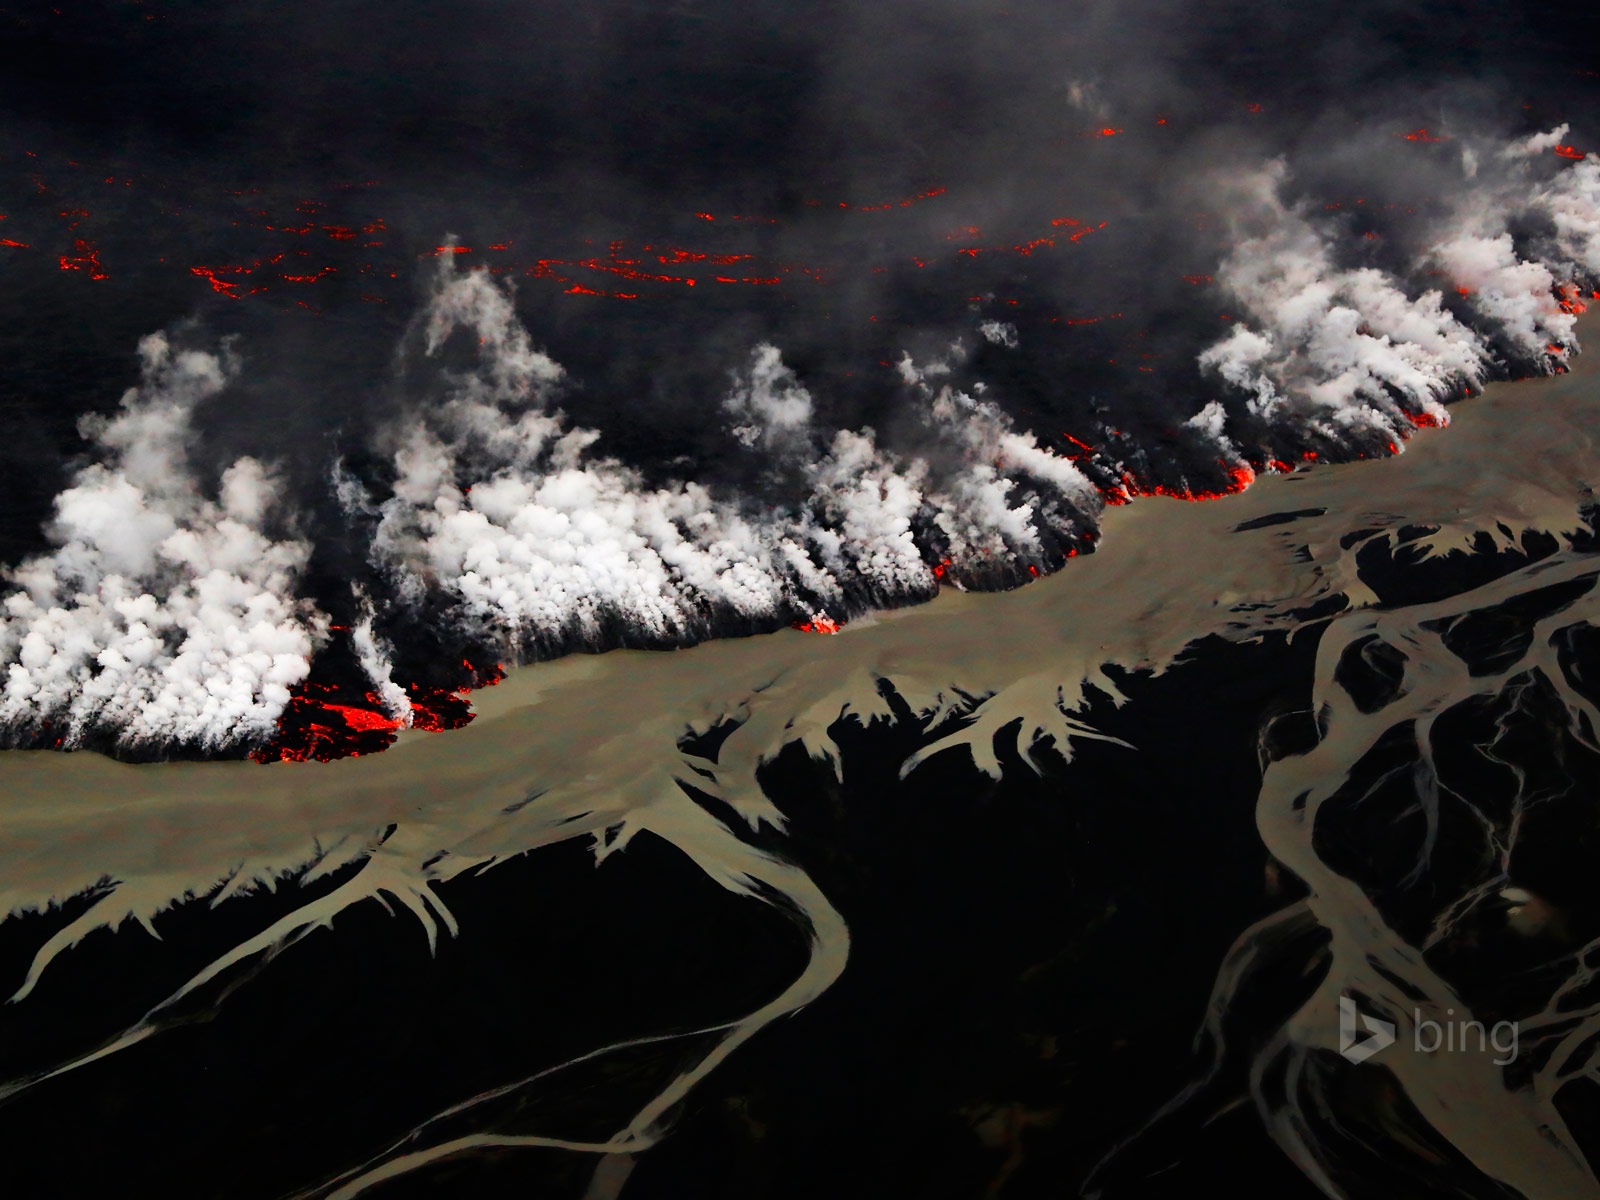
[722, 318]
[174, 607]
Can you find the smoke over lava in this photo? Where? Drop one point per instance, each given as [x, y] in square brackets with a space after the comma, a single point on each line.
[768, 332]
[359, 354]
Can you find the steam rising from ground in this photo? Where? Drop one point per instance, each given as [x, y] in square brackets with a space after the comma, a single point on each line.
[542, 542]
[174, 611]
[167, 612]
[1341, 351]
[176, 605]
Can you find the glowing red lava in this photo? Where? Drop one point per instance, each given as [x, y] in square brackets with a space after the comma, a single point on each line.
[906, 203]
[362, 719]
[323, 723]
[308, 278]
[820, 622]
[84, 257]
[222, 287]
[1569, 297]
[577, 275]
[316, 727]
[1422, 135]
[1571, 152]
[1240, 476]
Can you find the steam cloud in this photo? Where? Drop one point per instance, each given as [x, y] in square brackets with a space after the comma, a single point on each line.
[1336, 351]
[163, 615]
[541, 542]
[173, 610]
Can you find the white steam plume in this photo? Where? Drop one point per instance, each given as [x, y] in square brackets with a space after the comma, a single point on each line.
[509, 510]
[376, 657]
[1337, 351]
[1571, 203]
[1515, 296]
[162, 615]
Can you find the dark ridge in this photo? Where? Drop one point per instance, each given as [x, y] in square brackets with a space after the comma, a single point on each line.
[1282, 518]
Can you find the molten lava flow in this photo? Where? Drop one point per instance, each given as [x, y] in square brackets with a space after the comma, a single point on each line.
[223, 287]
[820, 622]
[1240, 476]
[674, 257]
[1569, 296]
[323, 721]
[906, 203]
[363, 719]
[1026, 249]
[314, 726]
[308, 278]
[84, 257]
[1571, 152]
[437, 709]
[1422, 135]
